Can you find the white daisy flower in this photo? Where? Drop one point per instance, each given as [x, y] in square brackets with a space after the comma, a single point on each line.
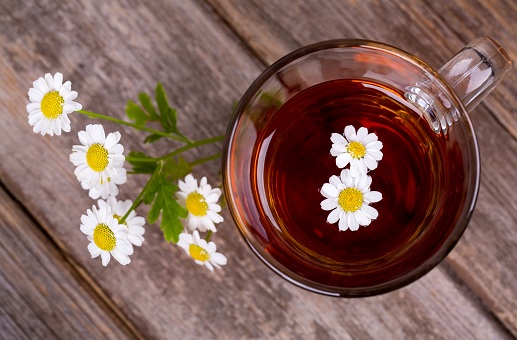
[349, 199]
[201, 251]
[134, 224]
[51, 102]
[99, 159]
[362, 150]
[108, 187]
[106, 236]
[201, 203]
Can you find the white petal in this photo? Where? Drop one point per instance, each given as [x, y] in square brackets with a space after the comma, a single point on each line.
[347, 177]
[372, 196]
[209, 266]
[361, 134]
[337, 138]
[212, 198]
[94, 250]
[105, 256]
[370, 162]
[362, 183]
[116, 149]
[343, 159]
[193, 223]
[42, 85]
[370, 138]
[369, 211]
[58, 80]
[208, 224]
[70, 96]
[191, 182]
[343, 225]
[329, 191]
[361, 218]
[375, 145]
[121, 257]
[377, 155]
[333, 217]
[35, 96]
[329, 204]
[334, 180]
[84, 138]
[349, 132]
[352, 222]
[218, 258]
[355, 168]
[183, 187]
[50, 81]
[337, 149]
[215, 217]
[111, 140]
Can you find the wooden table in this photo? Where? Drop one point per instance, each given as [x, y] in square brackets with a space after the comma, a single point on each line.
[206, 53]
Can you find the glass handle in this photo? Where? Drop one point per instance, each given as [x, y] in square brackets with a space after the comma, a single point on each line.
[476, 70]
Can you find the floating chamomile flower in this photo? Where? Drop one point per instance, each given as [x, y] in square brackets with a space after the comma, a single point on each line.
[201, 203]
[51, 102]
[201, 251]
[106, 236]
[108, 187]
[99, 160]
[361, 150]
[349, 199]
[134, 224]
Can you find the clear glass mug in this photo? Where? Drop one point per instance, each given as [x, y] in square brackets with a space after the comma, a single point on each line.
[427, 201]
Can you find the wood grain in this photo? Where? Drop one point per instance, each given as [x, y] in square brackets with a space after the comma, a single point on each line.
[41, 293]
[207, 56]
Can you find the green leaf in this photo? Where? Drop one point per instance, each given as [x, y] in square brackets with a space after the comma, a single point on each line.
[152, 138]
[171, 225]
[176, 168]
[146, 103]
[161, 99]
[135, 113]
[141, 163]
[168, 116]
[169, 121]
[165, 204]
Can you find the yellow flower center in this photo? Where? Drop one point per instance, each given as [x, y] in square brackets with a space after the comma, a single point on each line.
[104, 238]
[198, 253]
[356, 149]
[196, 204]
[52, 105]
[97, 157]
[350, 199]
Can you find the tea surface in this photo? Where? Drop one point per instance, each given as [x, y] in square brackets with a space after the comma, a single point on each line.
[293, 162]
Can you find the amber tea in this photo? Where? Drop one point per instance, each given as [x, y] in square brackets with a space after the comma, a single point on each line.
[291, 162]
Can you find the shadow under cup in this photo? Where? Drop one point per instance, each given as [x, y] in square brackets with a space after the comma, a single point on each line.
[276, 159]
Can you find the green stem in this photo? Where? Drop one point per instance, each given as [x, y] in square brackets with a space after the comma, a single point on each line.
[205, 159]
[208, 235]
[179, 138]
[191, 146]
[138, 199]
[180, 151]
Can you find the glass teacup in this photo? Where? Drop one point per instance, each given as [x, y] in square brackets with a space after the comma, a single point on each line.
[278, 159]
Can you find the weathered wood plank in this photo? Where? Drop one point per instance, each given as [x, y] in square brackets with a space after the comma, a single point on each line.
[486, 257]
[41, 294]
[111, 51]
